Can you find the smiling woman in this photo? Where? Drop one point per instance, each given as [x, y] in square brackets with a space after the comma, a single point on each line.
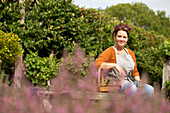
[124, 61]
[121, 37]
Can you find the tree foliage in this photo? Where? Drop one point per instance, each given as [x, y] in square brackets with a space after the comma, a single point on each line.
[142, 16]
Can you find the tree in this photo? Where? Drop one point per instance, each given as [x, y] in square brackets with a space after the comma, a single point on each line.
[142, 16]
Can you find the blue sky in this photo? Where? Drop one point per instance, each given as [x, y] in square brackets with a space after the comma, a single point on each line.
[163, 5]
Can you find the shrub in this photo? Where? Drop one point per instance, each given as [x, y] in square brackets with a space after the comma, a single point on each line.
[10, 49]
[40, 70]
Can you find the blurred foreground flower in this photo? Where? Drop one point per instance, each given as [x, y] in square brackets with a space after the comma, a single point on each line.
[73, 93]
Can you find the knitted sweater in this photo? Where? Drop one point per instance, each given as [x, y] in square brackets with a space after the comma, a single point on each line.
[109, 56]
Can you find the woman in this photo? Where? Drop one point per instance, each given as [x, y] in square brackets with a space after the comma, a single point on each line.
[122, 59]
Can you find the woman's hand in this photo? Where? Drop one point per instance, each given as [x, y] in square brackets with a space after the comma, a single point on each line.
[137, 78]
[113, 65]
[120, 70]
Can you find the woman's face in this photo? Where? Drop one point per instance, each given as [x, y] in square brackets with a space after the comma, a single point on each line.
[121, 38]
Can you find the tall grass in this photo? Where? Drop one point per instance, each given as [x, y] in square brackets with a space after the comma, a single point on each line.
[68, 94]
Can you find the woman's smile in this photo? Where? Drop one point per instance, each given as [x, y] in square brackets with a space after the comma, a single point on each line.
[121, 39]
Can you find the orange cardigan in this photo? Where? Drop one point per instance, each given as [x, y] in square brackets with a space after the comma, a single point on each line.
[109, 56]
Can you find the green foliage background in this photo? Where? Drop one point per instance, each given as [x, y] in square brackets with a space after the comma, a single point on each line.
[52, 26]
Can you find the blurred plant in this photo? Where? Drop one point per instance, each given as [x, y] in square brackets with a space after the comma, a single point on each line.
[14, 100]
[71, 97]
[76, 69]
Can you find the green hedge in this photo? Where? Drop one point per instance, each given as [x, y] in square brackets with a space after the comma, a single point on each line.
[57, 25]
[149, 56]
[10, 16]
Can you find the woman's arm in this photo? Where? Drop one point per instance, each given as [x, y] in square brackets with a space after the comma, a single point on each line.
[107, 58]
[108, 65]
[105, 65]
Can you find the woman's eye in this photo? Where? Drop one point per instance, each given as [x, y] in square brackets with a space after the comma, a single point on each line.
[124, 37]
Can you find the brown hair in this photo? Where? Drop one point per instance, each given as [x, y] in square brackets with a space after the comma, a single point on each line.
[123, 27]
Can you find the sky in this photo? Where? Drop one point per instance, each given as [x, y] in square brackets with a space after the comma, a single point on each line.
[162, 5]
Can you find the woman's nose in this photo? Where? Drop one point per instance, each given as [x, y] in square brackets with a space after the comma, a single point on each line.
[121, 38]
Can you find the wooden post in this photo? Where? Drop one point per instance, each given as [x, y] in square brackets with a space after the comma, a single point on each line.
[166, 73]
[18, 74]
